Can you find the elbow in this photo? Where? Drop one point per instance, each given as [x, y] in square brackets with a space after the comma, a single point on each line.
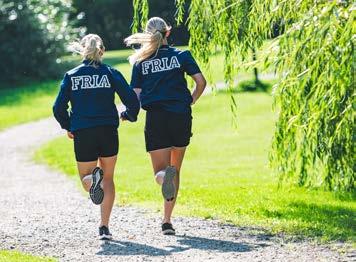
[55, 111]
[202, 83]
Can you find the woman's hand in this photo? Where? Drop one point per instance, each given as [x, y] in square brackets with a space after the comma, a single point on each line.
[122, 116]
[70, 135]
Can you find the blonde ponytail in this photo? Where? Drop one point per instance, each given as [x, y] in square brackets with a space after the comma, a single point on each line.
[150, 41]
[90, 48]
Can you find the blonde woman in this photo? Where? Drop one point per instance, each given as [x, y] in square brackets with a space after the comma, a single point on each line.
[93, 121]
[158, 78]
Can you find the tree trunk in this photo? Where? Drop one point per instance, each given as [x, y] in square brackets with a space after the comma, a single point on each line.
[255, 71]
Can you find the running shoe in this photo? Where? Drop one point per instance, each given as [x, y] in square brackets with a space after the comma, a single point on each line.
[167, 229]
[96, 192]
[104, 233]
[168, 188]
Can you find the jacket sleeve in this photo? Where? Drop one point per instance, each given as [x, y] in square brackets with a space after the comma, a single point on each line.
[190, 66]
[60, 107]
[127, 95]
[135, 77]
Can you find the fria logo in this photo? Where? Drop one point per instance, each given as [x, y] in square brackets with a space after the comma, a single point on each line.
[90, 81]
[159, 65]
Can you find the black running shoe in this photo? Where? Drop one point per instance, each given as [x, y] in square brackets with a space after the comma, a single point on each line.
[167, 229]
[96, 192]
[168, 188]
[104, 233]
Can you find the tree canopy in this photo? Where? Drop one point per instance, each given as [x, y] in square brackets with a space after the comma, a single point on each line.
[112, 19]
[32, 36]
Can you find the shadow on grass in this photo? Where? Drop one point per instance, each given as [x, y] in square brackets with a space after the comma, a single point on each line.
[324, 221]
[249, 86]
[126, 248]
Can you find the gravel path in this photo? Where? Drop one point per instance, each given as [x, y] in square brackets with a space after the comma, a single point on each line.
[43, 213]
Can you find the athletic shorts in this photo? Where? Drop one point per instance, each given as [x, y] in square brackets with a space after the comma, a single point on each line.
[95, 142]
[167, 129]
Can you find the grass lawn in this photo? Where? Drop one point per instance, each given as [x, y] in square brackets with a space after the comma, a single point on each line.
[225, 174]
[15, 256]
[26, 103]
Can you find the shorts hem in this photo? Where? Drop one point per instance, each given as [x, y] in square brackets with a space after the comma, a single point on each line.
[159, 148]
[110, 155]
[85, 160]
[181, 146]
[166, 147]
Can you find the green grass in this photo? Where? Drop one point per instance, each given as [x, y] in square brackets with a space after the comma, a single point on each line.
[15, 256]
[26, 103]
[225, 174]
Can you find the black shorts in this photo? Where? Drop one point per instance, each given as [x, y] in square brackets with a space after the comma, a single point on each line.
[167, 129]
[95, 142]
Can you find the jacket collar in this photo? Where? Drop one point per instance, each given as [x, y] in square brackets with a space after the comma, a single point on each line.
[90, 62]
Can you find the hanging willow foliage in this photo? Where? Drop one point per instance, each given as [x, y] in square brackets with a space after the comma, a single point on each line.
[314, 139]
[140, 15]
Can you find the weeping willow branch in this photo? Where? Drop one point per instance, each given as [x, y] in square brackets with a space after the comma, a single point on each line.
[314, 138]
[140, 15]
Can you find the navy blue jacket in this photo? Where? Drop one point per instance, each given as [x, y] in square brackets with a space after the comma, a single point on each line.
[161, 78]
[91, 93]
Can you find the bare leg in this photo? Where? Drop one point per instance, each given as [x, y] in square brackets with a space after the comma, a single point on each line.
[86, 168]
[107, 164]
[177, 155]
[160, 160]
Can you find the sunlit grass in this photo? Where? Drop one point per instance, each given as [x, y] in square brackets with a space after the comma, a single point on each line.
[15, 256]
[27, 103]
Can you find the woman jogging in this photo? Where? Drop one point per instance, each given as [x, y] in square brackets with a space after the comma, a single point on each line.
[158, 79]
[93, 121]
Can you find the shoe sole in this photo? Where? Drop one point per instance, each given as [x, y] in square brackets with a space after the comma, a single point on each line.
[168, 232]
[96, 193]
[105, 237]
[168, 188]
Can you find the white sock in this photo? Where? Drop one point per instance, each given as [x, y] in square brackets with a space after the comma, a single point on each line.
[88, 177]
[160, 175]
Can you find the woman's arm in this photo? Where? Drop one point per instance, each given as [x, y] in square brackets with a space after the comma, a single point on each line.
[60, 106]
[137, 91]
[200, 84]
[127, 96]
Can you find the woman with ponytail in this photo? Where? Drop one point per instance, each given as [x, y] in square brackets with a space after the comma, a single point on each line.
[158, 78]
[93, 119]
